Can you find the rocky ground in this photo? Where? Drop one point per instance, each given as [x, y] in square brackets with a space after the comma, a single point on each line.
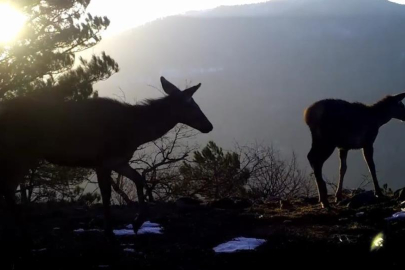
[298, 234]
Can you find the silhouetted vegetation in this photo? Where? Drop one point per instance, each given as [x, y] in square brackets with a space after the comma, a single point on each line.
[42, 58]
[274, 176]
[42, 62]
[158, 163]
[254, 172]
[213, 174]
[49, 182]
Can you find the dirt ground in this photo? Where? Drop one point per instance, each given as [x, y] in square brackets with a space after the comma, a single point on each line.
[303, 235]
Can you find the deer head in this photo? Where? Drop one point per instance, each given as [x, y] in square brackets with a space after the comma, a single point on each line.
[184, 108]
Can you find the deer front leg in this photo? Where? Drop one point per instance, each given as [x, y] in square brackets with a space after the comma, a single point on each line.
[103, 178]
[127, 171]
[368, 156]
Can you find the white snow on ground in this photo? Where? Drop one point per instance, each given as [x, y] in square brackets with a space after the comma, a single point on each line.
[146, 228]
[397, 216]
[124, 232]
[240, 243]
[149, 227]
[91, 230]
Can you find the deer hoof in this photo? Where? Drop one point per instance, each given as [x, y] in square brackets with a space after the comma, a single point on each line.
[137, 224]
[325, 205]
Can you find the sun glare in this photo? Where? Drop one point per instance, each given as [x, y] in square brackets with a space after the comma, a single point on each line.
[11, 22]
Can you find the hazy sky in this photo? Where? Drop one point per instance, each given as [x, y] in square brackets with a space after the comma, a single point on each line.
[125, 14]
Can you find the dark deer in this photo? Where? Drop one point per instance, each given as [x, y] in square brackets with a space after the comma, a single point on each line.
[95, 133]
[338, 123]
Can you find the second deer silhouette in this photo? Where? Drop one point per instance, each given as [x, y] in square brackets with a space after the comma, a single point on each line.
[96, 133]
[338, 123]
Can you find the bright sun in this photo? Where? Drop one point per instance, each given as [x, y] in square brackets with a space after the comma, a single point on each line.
[11, 22]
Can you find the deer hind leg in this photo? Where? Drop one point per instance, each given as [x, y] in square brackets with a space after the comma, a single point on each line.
[317, 156]
[368, 156]
[103, 178]
[132, 174]
[15, 218]
[9, 222]
[342, 172]
[12, 175]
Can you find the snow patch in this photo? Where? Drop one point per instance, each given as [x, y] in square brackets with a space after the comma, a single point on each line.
[240, 243]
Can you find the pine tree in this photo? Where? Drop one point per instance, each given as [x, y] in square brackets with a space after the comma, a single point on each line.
[42, 62]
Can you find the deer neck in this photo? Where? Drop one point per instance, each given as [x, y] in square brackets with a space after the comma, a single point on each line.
[381, 115]
[158, 128]
[153, 121]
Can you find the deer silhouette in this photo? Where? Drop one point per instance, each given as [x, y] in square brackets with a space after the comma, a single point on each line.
[338, 123]
[97, 133]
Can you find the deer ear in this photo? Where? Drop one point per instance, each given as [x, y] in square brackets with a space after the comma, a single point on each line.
[168, 87]
[400, 97]
[188, 93]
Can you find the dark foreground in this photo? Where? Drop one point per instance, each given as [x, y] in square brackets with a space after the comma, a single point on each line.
[304, 235]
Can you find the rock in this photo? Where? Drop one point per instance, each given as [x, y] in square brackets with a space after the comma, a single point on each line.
[188, 203]
[400, 194]
[243, 203]
[311, 200]
[225, 203]
[81, 209]
[362, 199]
[344, 202]
[402, 205]
[231, 203]
[97, 221]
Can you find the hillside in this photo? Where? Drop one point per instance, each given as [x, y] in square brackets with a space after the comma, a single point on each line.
[261, 65]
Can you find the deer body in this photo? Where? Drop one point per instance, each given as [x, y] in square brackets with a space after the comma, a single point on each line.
[78, 133]
[346, 126]
[96, 133]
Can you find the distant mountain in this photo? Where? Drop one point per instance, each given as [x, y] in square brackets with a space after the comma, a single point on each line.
[304, 8]
[260, 65]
